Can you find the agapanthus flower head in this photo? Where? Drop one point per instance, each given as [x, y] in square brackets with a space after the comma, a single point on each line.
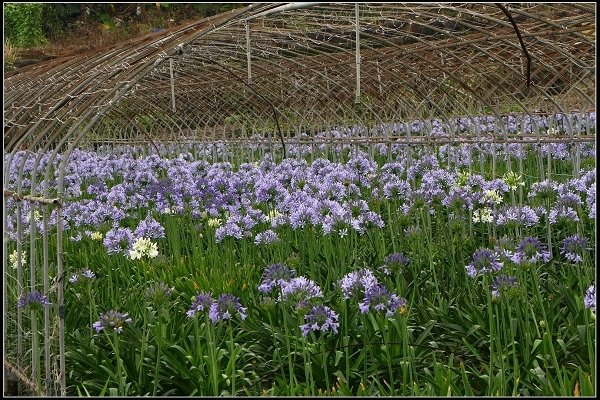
[214, 222]
[149, 228]
[14, 256]
[274, 276]
[299, 292]
[266, 237]
[112, 320]
[462, 178]
[491, 197]
[33, 300]
[574, 247]
[543, 190]
[200, 303]
[159, 292]
[118, 240]
[518, 216]
[503, 283]
[530, 251]
[85, 275]
[560, 213]
[589, 301]
[320, 318]
[394, 262]
[513, 180]
[483, 215]
[96, 235]
[484, 260]
[143, 248]
[225, 308]
[378, 298]
[355, 284]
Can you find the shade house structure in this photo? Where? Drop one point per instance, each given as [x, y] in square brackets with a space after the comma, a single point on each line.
[285, 79]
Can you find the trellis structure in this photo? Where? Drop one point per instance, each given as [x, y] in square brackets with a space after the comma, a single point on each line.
[281, 73]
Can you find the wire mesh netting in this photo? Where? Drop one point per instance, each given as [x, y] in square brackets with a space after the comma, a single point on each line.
[290, 80]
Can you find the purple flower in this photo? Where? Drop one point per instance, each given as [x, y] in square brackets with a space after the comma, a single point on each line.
[590, 201]
[530, 251]
[562, 213]
[225, 308]
[484, 260]
[502, 283]
[394, 262]
[355, 284]
[149, 228]
[378, 298]
[518, 215]
[574, 247]
[543, 190]
[34, 300]
[299, 291]
[201, 303]
[112, 319]
[118, 240]
[320, 318]
[86, 274]
[266, 237]
[589, 301]
[275, 275]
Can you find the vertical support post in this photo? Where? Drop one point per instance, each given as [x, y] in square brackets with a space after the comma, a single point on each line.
[60, 301]
[4, 285]
[172, 84]
[357, 98]
[35, 372]
[45, 217]
[248, 56]
[379, 78]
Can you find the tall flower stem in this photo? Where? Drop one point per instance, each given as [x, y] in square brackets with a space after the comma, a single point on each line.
[120, 371]
[232, 358]
[289, 351]
[214, 370]
[325, 357]
[159, 348]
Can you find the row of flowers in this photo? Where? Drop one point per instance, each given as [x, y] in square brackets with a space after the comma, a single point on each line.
[255, 199]
[303, 296]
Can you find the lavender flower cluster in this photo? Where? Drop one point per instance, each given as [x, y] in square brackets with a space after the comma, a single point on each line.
[224, 308]
[362, 286]
[302, 295]
[255, 199]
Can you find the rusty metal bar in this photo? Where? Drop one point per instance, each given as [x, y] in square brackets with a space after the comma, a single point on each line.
[21, 197]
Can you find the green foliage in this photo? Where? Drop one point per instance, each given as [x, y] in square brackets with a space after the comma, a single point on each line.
[57, 18]
[210, 9]
[23, 23]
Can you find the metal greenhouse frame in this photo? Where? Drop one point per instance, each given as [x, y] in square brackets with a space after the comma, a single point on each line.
[278, 74]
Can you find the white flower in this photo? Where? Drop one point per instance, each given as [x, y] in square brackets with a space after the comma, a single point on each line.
[143, 248]
[483, 215]
[37, 215]
[463, 178]
[167, 210]
[214, 222]
[272, 215]
[513, 180]
[96, 235]
[493, 196]
[13, 259]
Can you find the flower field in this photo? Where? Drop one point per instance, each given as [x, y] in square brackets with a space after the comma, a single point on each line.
[366, 270]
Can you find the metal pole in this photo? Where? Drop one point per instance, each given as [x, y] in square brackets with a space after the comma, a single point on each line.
[59, 299]
[172, 83]
[248, 57]
[356, 10]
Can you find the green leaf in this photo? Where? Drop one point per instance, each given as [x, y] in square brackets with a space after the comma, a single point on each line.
[338, 355]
